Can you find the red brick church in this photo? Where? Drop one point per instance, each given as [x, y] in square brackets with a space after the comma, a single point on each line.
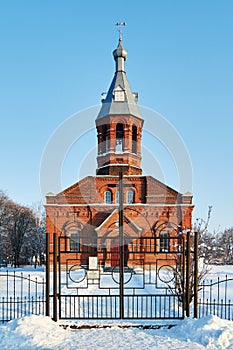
[85, 214]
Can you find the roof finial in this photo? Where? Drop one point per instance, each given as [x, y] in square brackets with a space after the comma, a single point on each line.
[120, 25]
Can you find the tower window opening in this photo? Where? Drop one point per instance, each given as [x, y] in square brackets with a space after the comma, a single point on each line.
[130, 196]
[119, 137]
[107, 144]
[134, 139]
[108, 197]
[105, 139]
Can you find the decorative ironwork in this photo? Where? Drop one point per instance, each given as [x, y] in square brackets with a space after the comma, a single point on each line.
[22, 296]
[214, 298]
[120, 25]
[166, 273]
[89, 286]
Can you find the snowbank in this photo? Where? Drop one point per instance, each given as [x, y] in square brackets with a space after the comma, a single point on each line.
[38, 332]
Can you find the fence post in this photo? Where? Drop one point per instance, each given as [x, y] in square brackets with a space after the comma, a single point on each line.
[187, 294]
[47, 288]
[195, 274]
[55, 277]
[121, 242]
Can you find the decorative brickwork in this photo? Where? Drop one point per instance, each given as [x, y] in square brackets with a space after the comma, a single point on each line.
[86, 213]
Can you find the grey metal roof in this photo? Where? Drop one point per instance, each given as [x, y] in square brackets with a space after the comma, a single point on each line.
[120, 82]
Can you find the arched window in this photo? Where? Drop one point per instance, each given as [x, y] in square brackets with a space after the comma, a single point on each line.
[74, 241]
[164, 242]
[130, 196]
[134, 139]
[117, 197]
[119, 137]
[72, 238]
[108, 197]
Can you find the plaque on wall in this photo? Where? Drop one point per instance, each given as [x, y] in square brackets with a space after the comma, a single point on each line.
[93, 263]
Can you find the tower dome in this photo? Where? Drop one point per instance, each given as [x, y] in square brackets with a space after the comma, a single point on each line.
[120, 55]
[120, 51]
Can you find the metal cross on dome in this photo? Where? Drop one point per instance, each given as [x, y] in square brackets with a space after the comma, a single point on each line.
[120, 25]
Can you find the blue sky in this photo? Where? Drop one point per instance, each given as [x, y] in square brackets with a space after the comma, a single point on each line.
[56, 59]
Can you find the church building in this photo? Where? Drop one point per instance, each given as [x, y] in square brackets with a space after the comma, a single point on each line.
[86, 215]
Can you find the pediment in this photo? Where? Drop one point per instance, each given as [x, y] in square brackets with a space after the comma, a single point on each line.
[112, 223]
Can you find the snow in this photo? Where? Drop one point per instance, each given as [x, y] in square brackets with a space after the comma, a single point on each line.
[40, 332]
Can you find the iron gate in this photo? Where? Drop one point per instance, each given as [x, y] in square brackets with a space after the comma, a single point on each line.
[134, 281]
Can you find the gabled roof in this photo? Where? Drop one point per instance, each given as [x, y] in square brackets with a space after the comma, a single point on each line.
[88, 191]
[99, 218]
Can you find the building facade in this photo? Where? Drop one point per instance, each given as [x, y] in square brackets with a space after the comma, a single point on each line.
[86, 214]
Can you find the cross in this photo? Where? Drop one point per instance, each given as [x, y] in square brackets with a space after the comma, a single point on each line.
[120, 25]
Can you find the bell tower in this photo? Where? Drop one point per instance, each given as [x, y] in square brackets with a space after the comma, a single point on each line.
[119, 125]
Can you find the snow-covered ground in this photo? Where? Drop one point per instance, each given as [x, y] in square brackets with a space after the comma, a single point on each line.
[39, 332]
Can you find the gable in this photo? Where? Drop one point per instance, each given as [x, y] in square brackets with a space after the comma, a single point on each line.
[111, 224]
[81, 192]
[158, 192]
[91, 189]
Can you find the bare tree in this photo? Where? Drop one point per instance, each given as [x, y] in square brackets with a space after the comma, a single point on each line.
[4, 246]
[204, 237]
[38, 242]
[178, 284]
[22, 232]
[19, 223]
[223, 249]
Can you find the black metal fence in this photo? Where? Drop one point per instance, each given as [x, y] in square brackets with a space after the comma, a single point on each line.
[108, 307]
[216, 298]
[20, 296]
[23, 295]
[144, 288]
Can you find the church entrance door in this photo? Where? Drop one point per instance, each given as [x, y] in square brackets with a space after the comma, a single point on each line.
[115, 255]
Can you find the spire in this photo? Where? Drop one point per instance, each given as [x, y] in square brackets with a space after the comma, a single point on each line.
[120, 100]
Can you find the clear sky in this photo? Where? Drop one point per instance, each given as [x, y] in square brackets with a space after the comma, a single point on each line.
[56, 59]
